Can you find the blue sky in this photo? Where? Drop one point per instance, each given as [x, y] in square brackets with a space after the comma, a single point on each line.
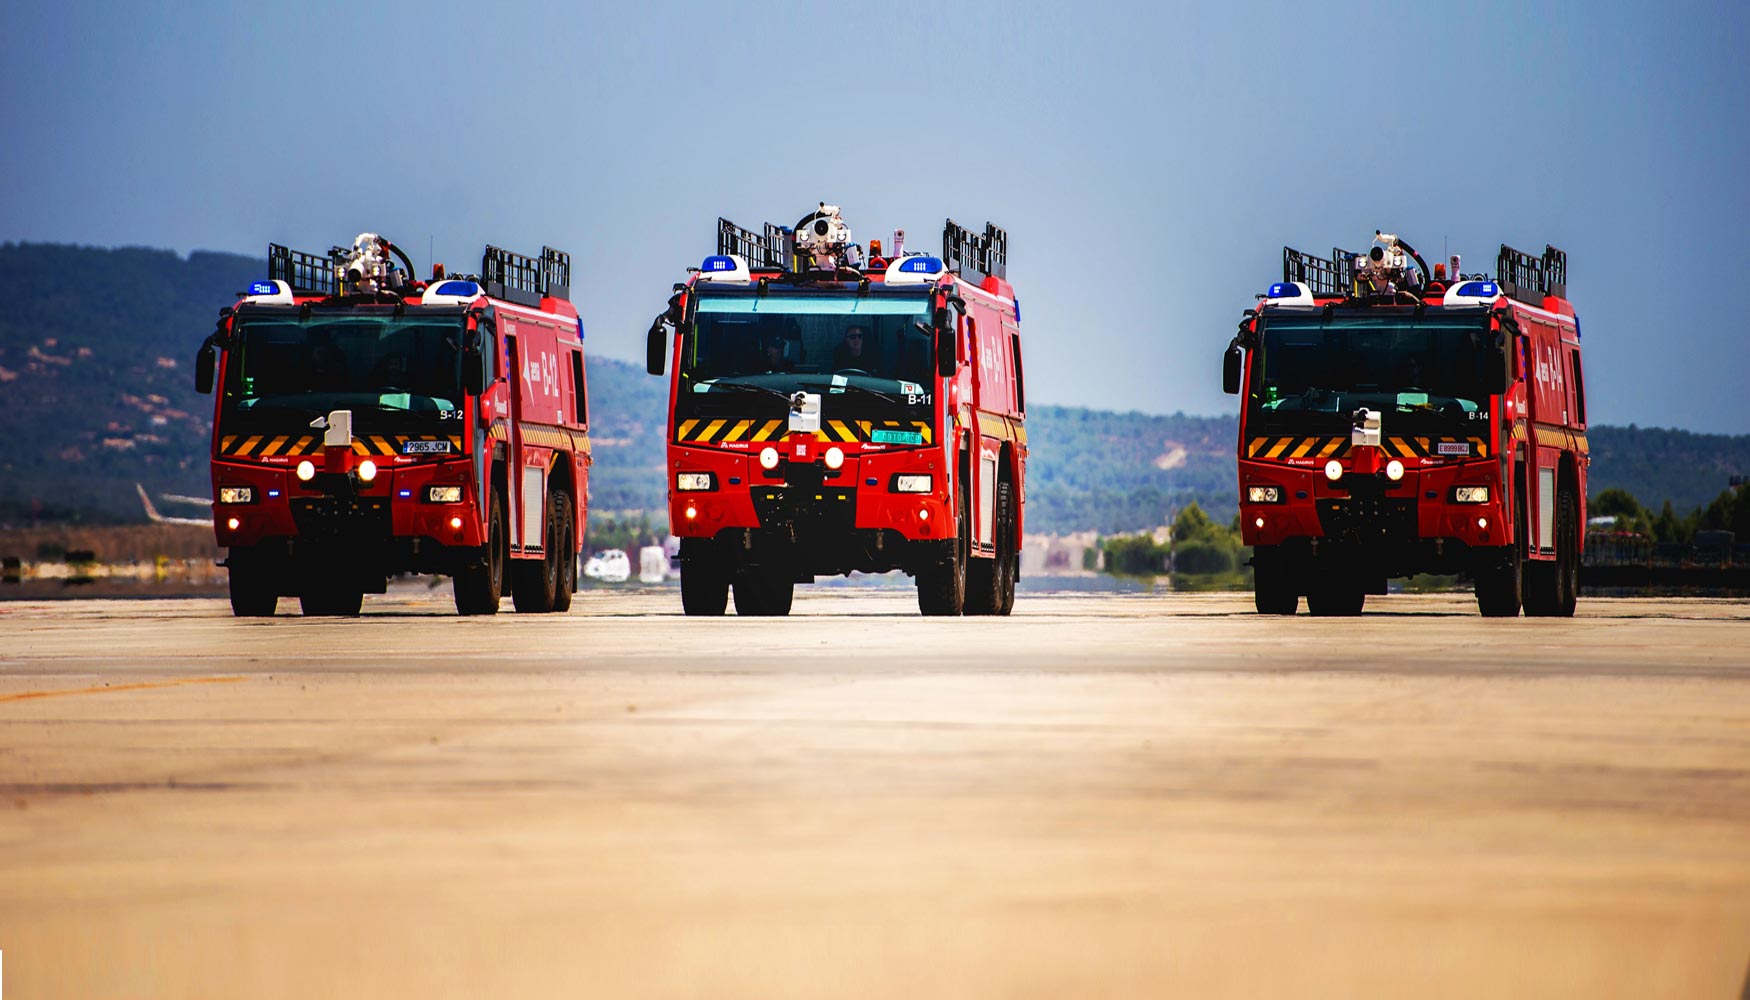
[1148, 160]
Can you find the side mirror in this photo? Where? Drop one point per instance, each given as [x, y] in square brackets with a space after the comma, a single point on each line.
[1500, 377]
[1232, 365]
[203, 367]
[947, 352]
[474, 372]
[656, 347]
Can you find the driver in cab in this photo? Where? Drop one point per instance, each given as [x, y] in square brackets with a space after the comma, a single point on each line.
[849, 353]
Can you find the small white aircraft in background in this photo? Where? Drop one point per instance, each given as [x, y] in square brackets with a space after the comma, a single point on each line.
[157, 518]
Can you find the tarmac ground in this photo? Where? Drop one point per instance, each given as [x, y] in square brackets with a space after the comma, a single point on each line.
[1101, 796]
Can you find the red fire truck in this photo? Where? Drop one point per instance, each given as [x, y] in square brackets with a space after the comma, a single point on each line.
[368, 424]
[1398, 420]
[836, 410]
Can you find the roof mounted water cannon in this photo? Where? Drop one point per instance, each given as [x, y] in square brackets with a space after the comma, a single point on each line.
[367, 269]
[824, 235]
[1384, 270]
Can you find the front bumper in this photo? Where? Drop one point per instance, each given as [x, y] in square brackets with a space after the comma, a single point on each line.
[802, 495]
[1368, 509]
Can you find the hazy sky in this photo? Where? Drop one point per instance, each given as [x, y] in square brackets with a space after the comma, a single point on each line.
[1149, 161]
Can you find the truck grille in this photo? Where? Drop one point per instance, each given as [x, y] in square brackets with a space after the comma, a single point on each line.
[1368, 519]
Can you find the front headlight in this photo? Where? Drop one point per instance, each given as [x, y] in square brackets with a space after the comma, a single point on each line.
[1470, 494]
[1264, 494]
[768, 458]
[1333, 470]
[692, 481]
[443, 494]
[1394, 470]
[367, 470]
[911, 484]
[236, 494]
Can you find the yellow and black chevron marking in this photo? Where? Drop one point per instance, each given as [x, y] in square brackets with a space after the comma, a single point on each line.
[271, 445]
[561, 438]
[1336, 446]
[729, 429]
[992, 425]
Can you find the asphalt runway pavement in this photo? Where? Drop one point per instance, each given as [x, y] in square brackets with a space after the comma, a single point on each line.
[1102, 796]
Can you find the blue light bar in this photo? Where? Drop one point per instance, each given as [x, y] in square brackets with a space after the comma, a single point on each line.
[717, 263]
[1483, 289]
[467, 288]
[263, 288]
[1283, 290]
[920, 265]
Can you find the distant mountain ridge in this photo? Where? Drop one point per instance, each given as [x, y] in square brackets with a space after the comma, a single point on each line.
[97, 389]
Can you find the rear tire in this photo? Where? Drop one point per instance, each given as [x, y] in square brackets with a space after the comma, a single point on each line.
[1567, 554]
[566, 552]
[704, 578]
[336, 601]
[534, 583]
[1334, 590]
[1273, 584]
[479, 588]
[984, 577]
[764, 591]
[1009, 545]
[254, 593]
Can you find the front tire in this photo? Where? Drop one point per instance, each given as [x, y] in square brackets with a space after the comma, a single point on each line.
[254, 591]
[704, 578]
[942, 584]
[1273, 584]
[480, 587]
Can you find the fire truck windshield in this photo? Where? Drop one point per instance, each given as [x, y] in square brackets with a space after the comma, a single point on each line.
[1425, 371]
[813, 342]
[362, 362]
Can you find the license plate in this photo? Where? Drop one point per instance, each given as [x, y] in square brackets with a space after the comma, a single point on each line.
[896, 437]
[1452, 448]
[425, 448]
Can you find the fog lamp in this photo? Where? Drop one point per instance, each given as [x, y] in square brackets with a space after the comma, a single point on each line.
[367, 470]
[768, 458]
[1333, 470]
[233, 524]
[456, 523]
[306, 470]
[692, 512]
[835, 458]
[1259, 522]
[1394, 470]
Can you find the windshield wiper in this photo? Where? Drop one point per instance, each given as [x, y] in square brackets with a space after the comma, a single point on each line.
[853, 387]
[747, 387]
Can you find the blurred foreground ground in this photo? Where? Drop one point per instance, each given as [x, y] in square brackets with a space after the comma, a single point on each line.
[1103, 796]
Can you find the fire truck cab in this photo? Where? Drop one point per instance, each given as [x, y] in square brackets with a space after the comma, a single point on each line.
[835, 409]
[368, 424]
[1398, 420]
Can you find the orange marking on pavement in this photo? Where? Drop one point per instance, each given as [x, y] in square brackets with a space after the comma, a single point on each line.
[26, 695]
